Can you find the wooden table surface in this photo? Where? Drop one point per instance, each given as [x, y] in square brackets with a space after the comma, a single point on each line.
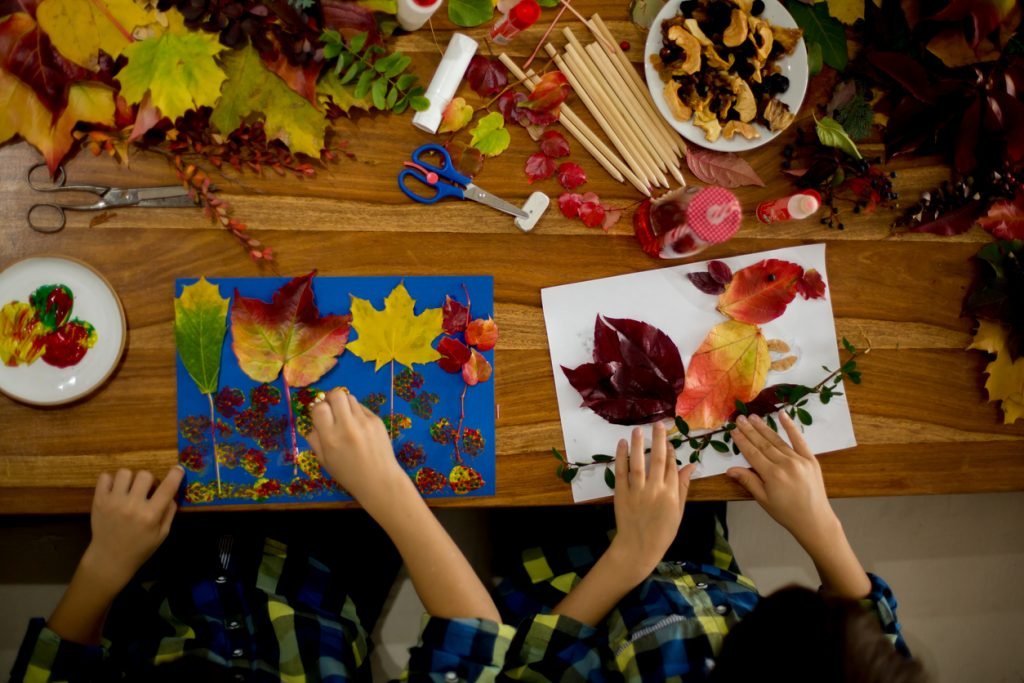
[920, 416]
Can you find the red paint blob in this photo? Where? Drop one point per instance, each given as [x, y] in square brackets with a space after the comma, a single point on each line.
[66, 346]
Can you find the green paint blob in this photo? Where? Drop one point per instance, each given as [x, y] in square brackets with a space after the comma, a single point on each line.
[53, 304]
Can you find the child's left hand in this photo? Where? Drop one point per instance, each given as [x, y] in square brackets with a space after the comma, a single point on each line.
[128, 524]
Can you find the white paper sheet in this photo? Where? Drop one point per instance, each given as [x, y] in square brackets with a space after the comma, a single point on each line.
[668, 300]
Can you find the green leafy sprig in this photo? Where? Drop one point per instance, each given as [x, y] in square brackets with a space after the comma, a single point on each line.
[793, 399]
[374, 72]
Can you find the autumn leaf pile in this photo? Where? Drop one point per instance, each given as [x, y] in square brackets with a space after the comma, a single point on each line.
[125, 69]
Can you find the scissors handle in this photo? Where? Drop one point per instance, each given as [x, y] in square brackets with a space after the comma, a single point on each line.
[59, 183]
[446, 169]
[441, 188]
[55, 225]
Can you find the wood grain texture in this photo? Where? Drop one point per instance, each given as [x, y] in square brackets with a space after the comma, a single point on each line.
[920, 416]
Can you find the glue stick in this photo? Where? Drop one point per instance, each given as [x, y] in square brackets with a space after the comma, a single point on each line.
[443, 85]
[795, 207]
[520, 17]
[412, 14]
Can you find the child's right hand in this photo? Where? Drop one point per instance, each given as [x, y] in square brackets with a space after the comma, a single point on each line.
[786, 480]
[353, 445]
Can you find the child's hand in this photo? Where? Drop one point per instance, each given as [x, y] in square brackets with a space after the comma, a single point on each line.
[648, 505]
[786, 480]
[353, 445]
[128, 524]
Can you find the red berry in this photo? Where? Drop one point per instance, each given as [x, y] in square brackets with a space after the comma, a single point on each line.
[624, 45]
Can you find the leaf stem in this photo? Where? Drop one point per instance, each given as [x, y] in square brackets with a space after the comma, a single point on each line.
[213, 441]
[291, 426]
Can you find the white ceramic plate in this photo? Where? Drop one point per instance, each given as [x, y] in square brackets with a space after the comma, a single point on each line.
[94, 301]
[793, 66]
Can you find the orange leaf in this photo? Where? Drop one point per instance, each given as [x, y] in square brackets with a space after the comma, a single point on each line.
[288, 333]
[761, 292]
[476, 370]
[483, 334]
[731, 364]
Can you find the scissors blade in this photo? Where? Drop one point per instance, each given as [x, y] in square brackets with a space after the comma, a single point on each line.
[164, 192]
[167, 202]
[478, 194]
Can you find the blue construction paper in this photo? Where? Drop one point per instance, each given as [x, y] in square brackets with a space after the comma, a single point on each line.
[332, 295]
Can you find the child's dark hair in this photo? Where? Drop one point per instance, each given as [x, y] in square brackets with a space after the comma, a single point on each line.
[799, 635]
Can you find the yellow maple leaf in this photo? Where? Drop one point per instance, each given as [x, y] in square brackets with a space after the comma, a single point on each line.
[1005, 377]
[395, 333]
[846, 11]
[79, 30]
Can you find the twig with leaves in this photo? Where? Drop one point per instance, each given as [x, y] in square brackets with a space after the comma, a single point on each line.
[374, 72]
[791, 398]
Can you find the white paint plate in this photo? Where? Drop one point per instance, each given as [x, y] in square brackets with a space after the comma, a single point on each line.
[793, 66]
[94, 301]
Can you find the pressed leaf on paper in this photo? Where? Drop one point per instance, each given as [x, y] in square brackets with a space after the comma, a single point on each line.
[760, 292]
[80, 30]
[483, 334]
[476, 370]
[395, 333]
[287, 334]
[455, 316]
[200, 323]
[1005, 376]
[635, 375]
[251, 88]
[730, 365]
[177, 69]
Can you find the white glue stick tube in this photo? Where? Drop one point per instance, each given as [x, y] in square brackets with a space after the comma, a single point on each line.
[412, 14]
[445, 82]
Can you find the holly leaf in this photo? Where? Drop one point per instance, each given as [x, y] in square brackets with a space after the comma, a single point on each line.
[832, 134]
[288, 334]
[730, 365]
[549, 93]
[455, 316]
[476, 370]
[469, 13]
[395, 333]
[635, 375]
[721, 168]
[487, 76]
[760, 292]
[177, 69]
[483, 334]
[454, 354]
[22, 113]
[1005, 218]
[822, 29]
[490, 136]
[80, 30]
[538, 167]
[455, 116]
[251, 88]
[553, 144]
[1005, 381]
[200, 324]
[571, 176]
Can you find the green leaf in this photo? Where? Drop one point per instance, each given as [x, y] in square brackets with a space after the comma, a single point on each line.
[694, 444]
[560, 471]
[681, 425]
[735, 449]
[385, 63]
[771, 423]
[727, 437]
[469, 13]
[401, 105]
[400, 65]
[489, 136]
[719, 446]
[602, 457]
[822, 29]
[572, 472]
[741, 408]
[356, 42]
[804, 416]
[200, 323]
[854, 377]
[251, 89]
[378, 92]
[729, 426]
[405, 81]
[548, 3]
[392, 97]
[848, 346]
[351, 72]
[343, 96]
[825, 398]
[676, 443]
[814, 62]
[364, 83]
[558, 456]
[695, 456]
[421, 103]
[802, 403]
[856, 117]
[832, 134]
[609, 478]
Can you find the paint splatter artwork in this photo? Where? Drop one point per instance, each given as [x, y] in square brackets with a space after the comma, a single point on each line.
[43, 329]
[254, 352]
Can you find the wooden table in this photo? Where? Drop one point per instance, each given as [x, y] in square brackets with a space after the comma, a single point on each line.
[920, 415]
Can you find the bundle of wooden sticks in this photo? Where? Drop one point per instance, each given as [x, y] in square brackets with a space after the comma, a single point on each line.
[646, 148]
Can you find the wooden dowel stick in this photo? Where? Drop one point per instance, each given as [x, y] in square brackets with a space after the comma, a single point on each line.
[616, 113]
[583, 134]
[635, 167]
[655, 124]
[611, 114]
[600, 30]
[644, 126]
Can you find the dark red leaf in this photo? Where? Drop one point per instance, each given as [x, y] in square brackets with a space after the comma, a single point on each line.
[906, 71]
[349, 18]
[554, 144]
[953, 223]
[964, 158]
[811, 285]
[706, 283]
[454, 354]
[635, 376]
[549, 93]
[721, 273]
[456, 316]
[508, 105]
[569, 204]
[538, 167]
[571, 176]
[592, 214]
[766, 402]
[468, 161]
[486, 75]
